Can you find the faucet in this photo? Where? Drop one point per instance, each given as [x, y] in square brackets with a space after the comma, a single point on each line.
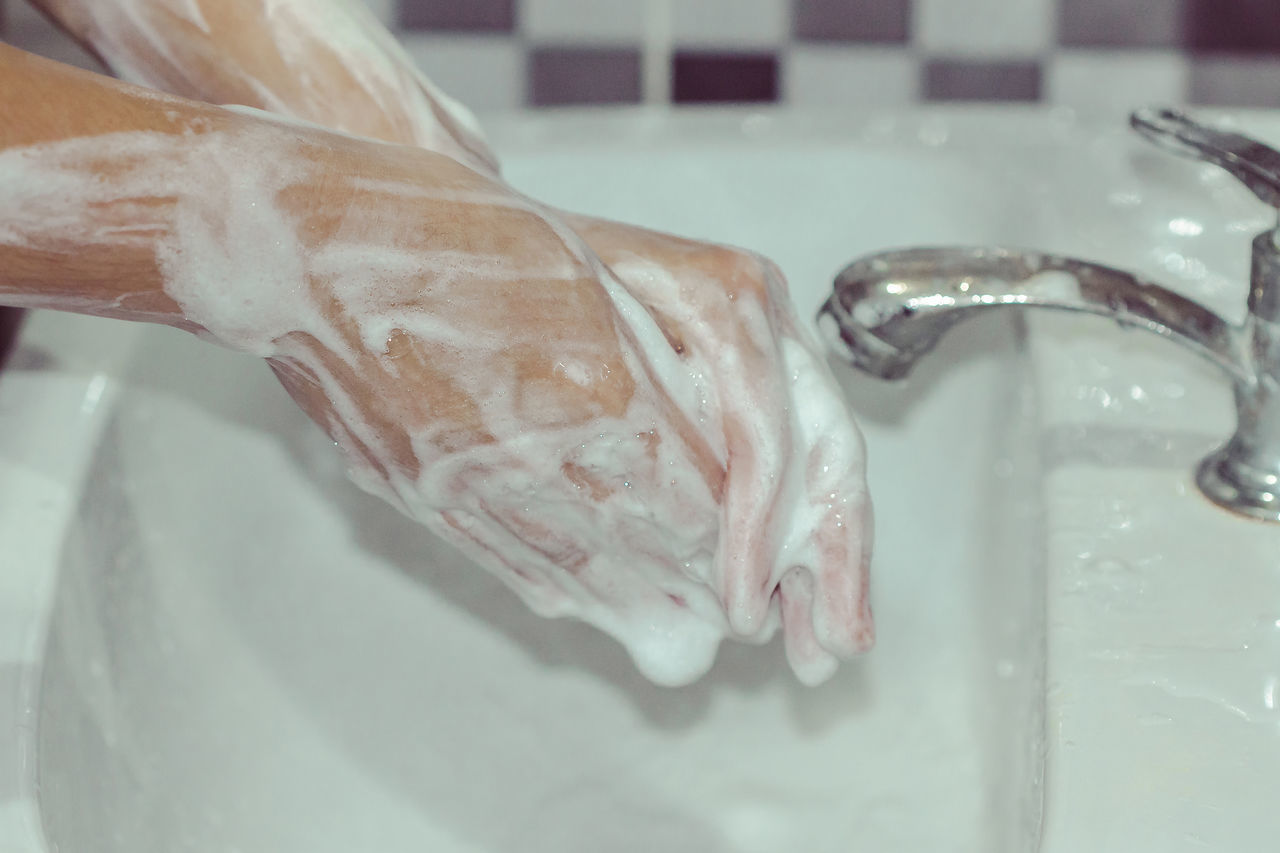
[889, 309]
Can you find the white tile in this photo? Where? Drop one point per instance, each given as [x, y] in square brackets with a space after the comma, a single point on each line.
[384, 10]
[984, 28]
[583, 21]
[1112, 83]
[843, 76]
[730, 23]
[484, 72]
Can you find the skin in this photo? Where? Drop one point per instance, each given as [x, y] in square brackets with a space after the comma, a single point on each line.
[126, 281]
[706, 300]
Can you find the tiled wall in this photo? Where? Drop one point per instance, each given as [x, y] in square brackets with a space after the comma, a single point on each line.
[1104, 55]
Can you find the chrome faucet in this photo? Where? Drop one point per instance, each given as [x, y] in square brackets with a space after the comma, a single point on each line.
[888, 310]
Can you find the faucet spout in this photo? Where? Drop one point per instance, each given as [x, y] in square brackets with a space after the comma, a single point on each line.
[888, 310]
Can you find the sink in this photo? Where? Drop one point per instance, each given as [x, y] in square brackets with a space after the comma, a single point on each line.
[213, 642]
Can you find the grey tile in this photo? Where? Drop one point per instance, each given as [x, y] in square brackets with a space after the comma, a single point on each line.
[1239, 26]
[458, 15]
[1235, 81]
[708, 77]
[852, 20]
[576, 75]
[965, 80]
[1120, 23]
[27, 29]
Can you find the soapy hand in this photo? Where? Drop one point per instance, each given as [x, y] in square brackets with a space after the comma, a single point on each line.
[666, 460]
[637, 463]
[627, 426]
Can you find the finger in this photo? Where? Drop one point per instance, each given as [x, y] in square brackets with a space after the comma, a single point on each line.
[715, 309]
[811, 663]
[831, 524]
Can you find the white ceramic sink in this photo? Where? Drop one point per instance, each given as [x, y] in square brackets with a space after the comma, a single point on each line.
[212, 642]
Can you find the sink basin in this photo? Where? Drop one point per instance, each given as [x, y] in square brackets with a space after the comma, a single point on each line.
[214, 642]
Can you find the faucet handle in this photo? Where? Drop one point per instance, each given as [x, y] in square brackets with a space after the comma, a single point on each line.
[1254, 164]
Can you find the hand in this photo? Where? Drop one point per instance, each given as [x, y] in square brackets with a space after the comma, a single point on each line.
[631, 475]
[796, 517]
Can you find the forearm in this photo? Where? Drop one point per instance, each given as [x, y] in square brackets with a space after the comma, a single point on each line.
[67, 239]
[123, 202]
[325, 61]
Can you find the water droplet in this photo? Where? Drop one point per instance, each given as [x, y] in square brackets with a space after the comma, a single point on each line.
[934, 133]
[1184, 227]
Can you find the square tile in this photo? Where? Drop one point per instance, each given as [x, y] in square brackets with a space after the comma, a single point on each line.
[984, 28]
[583, 75]
[852, 20]
[829, 75]
[458, 15]
[10, 322]
[1238, 26]
[1115, 82]
[709, 77]
[484, 72]
[1120, 23]
[385, 11]
[730, 23]
[1235, 81]
[583, 21]
[975, 80]
[27, 29]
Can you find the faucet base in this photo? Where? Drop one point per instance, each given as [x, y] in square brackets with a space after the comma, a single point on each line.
[1240, 488]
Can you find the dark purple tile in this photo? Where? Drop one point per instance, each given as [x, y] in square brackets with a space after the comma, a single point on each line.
[966, 80]
[10, 321]
[705, 77]
[458, 15]
[578, 75]
[881, 21]
[1120, 23]
[1232, 26]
